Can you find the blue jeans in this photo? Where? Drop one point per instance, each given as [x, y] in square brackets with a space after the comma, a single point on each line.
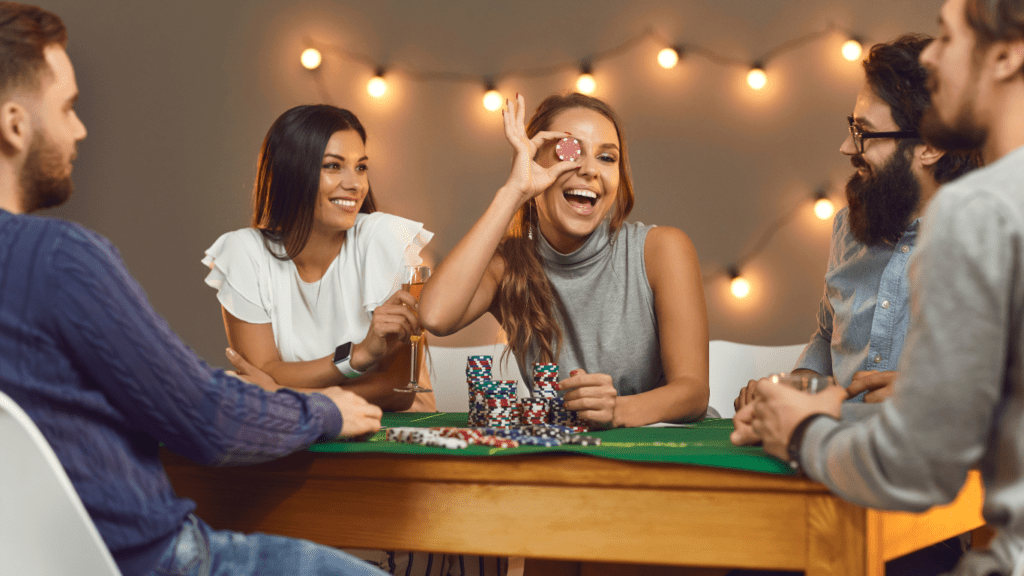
[201, 551]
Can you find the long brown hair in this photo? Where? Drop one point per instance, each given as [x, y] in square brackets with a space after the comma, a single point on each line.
[527, 302]
[288, 174]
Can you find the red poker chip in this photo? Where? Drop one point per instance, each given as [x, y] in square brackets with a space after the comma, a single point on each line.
[568, 149]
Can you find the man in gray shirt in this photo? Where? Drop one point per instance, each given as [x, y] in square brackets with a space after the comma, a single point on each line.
[863, 315]
[959, 402]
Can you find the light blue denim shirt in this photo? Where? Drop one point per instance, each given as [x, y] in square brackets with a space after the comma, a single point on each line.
[864, 314]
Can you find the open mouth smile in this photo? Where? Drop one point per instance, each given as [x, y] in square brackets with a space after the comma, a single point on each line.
[581, 200]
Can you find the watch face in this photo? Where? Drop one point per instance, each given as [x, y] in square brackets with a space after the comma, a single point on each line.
[342, 353]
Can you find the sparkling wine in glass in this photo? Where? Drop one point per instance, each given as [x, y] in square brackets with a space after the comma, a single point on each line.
[413, 279]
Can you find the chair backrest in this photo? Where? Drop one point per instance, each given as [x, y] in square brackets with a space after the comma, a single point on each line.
[731, 365]
[447, 368]
[44, 528]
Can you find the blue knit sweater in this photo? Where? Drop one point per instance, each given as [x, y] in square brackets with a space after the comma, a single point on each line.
[106, 381]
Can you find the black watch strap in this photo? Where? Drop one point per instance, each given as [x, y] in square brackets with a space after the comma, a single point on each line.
[796, 441]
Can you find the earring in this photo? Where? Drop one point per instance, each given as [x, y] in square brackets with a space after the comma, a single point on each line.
[529, 233]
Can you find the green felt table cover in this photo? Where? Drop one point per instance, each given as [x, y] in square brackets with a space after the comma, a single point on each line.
[706, 444]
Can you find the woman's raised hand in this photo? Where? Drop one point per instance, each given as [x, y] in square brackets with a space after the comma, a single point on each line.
[529, 178]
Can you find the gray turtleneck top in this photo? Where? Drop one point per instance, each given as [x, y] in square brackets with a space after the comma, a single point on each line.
[609, 325]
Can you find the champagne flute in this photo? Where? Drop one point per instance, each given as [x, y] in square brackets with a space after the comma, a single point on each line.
[413, 279]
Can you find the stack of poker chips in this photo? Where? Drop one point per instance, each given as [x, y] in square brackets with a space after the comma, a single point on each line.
[499, 403]
[491, 402]
[545, 386]
[534, 411]
[478, 376]
[545, 380]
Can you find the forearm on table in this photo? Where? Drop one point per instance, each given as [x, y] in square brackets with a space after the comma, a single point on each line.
[376, 386]
[682, 400]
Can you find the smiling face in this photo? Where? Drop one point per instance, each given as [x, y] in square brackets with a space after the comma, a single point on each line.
[343, 183]
[884, 193]
[954, 67]
[573, 207]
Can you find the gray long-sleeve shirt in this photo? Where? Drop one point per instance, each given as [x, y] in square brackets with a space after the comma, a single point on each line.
[959, 402]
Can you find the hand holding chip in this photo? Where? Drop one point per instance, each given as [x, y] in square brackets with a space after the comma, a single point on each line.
[529, 178]
[592, 396]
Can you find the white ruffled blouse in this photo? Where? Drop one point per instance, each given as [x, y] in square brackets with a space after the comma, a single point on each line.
[310, 319]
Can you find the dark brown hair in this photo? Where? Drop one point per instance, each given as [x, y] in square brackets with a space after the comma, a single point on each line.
[995, 20]
[288, 174]
[24, 32]
[896, 75]
[527, 302]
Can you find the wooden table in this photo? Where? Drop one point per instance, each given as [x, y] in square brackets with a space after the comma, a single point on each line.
[567, 507]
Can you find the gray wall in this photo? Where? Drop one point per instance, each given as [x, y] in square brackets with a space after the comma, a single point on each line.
[178, 95]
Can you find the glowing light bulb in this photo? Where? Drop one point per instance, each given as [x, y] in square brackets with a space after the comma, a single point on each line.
[756, 78]
[823, 208]
[740, 287]
[668, 58]
[852, 50]
[586, 84]
[377, 86]
[493, 100]
[311, 58]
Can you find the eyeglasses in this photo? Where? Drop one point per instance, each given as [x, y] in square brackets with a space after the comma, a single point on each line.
[859, 135]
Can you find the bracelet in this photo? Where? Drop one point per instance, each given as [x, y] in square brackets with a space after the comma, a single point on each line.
[796, 440]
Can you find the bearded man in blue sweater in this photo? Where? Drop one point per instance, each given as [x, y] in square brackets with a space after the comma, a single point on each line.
[103, 376]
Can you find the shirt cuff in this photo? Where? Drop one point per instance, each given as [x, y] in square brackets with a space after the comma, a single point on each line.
[329, 413]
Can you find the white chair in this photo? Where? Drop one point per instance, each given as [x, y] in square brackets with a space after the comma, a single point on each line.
[731, 365]
[447, 369]
[44, 528]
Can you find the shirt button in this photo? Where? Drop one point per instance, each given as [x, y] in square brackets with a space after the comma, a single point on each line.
[878, 358]
[885, 304]
[905, 249]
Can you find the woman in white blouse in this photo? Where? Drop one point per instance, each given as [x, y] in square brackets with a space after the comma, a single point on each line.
[310, 292]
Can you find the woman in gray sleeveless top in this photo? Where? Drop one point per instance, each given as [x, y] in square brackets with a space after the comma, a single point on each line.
[618, 306]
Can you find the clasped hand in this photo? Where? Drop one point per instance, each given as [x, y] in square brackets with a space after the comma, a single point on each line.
[776, 410]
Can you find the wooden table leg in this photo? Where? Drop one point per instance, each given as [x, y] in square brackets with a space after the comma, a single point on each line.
[843, 539]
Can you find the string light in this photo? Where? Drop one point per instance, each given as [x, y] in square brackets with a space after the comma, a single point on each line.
[852, 49]
[756, 78]
[738, 285]
[377, 86]
[668, 58]
[492, 98]
[823, 207]
[311, 58]
[585, 83]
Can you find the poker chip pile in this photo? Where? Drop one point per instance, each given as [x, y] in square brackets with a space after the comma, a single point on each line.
[456, 438]
[545, 386]
[491, 402]
[497, 419]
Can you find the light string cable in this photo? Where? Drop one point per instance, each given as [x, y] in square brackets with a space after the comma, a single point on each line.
[550, 69]
[490, 81]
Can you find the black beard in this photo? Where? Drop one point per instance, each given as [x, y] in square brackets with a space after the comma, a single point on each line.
[40, 187]
[882, 203]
